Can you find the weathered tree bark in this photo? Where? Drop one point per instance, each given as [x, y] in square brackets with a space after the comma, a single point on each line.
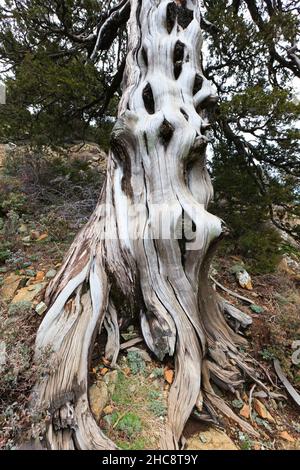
[118, 266]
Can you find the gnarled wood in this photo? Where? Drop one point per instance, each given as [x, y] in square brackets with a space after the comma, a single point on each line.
[122, 264]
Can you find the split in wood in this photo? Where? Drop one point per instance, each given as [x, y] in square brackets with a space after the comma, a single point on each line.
[178, 58]
[166, 132]
[180, 12]
[197, 83]
[148, 99]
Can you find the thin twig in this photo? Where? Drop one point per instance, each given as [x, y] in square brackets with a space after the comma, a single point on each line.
[119, 419]
[250, 402]
[130, 343]
[230, 292]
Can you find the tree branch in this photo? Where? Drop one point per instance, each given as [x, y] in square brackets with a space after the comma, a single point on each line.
[108, 31]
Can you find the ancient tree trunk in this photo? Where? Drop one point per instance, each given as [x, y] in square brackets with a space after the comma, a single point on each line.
[131, 258]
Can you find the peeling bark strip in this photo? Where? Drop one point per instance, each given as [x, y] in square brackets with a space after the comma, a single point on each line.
[157, 160]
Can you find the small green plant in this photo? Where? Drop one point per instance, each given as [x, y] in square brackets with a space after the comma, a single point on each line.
[158, 372]
[5, 253]
[16, 260]
[111, 420]
[158, 408]
[245, 441]
[14, 202]
[57, 226]
[262, 422]
[130, 424]
[267, 355]
[154, 395]
[120, 395]
[136, 362]
[237, 404]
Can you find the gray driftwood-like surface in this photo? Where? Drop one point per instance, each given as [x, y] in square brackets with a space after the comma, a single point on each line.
[117, 267]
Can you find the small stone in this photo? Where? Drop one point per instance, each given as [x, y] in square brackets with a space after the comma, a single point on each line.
[169, 376]
[35, 235]
[200, 402]
[286, 436]
[245, 412]
[28, 294]
[23, 229]
[256, 308]
[244, 279]
[10, 286]
[51, 274]
[111, 379]
[212, 439]
[98, 395]
[289, 266]
[128, 336]
[41, 308]
[30, 273]
[26, 239]
[108, 410]
[42, 237]
[262, 411]
[40, 276]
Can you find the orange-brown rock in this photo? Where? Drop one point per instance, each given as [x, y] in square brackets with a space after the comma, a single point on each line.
[245, 412]
[169, 376]
[286, 436]
[10, 286]
[262, 411]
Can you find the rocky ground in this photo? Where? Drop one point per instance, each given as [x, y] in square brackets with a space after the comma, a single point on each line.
[129, 401]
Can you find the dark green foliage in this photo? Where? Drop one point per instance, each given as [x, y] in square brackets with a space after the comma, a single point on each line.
[4, 251]
[246, 211]
[45, 98]
[136, 362]
[256, 165]
[56, 93]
